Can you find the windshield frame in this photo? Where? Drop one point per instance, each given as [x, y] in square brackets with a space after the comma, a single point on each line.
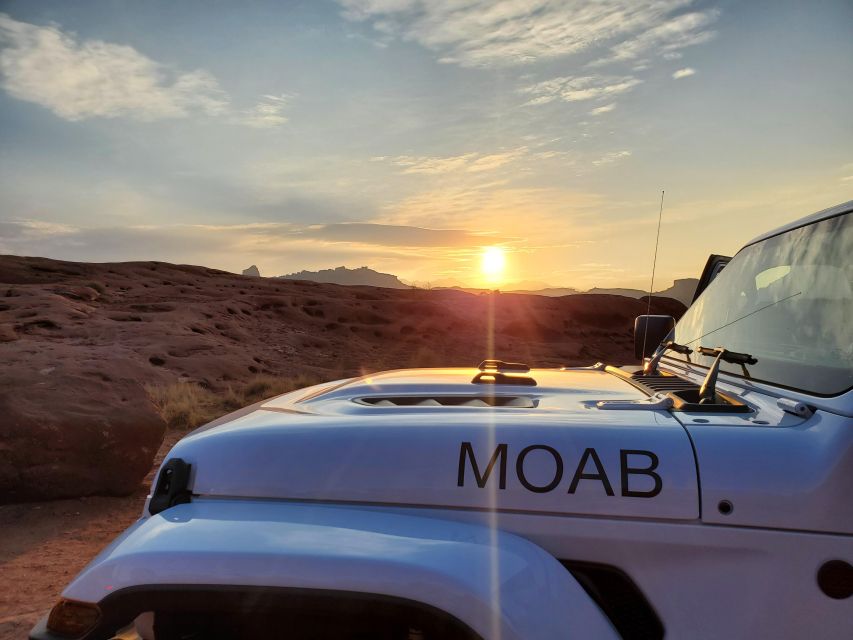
[751, 381]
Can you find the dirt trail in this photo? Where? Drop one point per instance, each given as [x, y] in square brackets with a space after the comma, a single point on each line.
[45, 544]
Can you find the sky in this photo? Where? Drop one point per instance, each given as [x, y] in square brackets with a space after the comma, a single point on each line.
[411, 136]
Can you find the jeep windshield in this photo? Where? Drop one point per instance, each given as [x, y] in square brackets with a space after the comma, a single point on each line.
[787, 301]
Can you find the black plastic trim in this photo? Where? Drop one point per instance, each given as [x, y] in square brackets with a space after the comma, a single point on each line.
[288, 606]
[619, 598]
[679, 389]
[172, 486]
[712, 266]
[491, 376]
[835, 579]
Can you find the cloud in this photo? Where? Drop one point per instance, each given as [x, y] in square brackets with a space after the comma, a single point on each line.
[666, 38]
[574, 89]
[394, 235]
[684, 73]
[497, 33]
[80, 79]
[432, 165]
[507, 210]
[469, 162]
[169, 242]
[267, 114]
[25, 230]
[611, 158]
[607, 108]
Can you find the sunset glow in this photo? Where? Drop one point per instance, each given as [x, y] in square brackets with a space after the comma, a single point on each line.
[493, 263]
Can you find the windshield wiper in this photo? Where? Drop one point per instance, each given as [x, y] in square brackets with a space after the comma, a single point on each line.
[708, 390]
[651, 367]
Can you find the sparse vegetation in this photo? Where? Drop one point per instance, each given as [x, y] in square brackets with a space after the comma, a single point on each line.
[187, 405]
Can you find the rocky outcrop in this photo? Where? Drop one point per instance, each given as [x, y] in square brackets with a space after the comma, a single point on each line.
[73, 427]
[252, 272]
[75, 417]
[342, 275]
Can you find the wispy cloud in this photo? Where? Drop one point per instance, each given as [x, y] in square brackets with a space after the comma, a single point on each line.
[469, 162]
[574, 89]
[432, 165]
[666, 38]
[267, 114]
[81, 79]
[607, 108]
[394, 235]
[611, 158]
[23, 229]
[684, 73]
[511, 32]
[846, 172]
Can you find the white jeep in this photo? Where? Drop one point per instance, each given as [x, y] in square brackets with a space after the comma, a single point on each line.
[707, 494]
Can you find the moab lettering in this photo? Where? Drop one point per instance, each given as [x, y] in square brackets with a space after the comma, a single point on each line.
[589, 468]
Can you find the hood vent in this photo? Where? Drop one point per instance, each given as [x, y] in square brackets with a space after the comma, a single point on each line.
[662, 383]
[518, 402]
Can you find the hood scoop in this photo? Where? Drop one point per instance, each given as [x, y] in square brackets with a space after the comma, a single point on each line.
[520, 402]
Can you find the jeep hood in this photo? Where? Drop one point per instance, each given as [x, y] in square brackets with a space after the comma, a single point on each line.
[434, 438]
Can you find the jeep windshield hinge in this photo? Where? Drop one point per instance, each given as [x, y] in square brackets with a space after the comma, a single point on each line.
[651, 367]
[708, 390]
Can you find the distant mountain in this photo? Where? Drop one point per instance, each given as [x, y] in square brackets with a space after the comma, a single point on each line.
[554, 292]
[342, 275]
[617, 291]
[681, 290]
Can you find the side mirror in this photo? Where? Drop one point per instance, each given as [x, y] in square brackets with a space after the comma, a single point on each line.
[649, 332]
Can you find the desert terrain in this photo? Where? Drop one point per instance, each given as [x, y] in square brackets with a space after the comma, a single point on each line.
[104, 366]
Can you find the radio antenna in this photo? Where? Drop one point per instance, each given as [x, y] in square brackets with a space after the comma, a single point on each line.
[654, 265]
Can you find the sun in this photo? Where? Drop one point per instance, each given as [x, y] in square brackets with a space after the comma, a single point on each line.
[492, 263]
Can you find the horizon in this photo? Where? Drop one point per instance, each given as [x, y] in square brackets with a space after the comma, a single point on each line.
[308, 135]
[450, 283]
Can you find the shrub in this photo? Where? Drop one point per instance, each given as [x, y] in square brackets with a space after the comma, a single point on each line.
[187, 405]
[183, 405]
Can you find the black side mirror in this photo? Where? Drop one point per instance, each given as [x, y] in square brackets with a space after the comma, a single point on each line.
[649, 332]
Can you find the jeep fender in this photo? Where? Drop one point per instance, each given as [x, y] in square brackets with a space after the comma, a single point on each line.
[498, 584]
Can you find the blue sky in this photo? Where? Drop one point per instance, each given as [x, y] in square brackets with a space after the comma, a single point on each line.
[407, 135]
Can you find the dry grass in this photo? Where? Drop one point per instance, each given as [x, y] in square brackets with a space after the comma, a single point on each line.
[186, 405]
